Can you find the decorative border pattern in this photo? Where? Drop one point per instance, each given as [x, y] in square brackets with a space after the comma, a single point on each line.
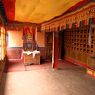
[81, 17]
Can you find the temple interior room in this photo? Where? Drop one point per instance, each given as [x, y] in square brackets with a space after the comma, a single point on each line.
[47, 47]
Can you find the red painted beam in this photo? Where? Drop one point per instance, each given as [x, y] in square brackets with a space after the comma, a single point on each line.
[9, 7]
[78, 4]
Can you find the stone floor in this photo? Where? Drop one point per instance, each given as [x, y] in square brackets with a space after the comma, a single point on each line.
[70, 80]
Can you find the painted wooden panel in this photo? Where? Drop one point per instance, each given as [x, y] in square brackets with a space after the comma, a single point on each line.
[14, 53]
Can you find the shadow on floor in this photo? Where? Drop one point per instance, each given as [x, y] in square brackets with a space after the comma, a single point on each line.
[3, 84]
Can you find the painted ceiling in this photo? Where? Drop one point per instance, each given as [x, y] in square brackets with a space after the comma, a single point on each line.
[37, 11]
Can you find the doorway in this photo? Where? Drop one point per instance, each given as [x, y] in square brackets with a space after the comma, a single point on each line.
[49, 44]
[61, 45]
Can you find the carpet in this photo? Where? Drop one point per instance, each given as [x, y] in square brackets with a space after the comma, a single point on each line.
[17, 66]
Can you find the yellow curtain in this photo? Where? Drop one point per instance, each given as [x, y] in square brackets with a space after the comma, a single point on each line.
[3, 41]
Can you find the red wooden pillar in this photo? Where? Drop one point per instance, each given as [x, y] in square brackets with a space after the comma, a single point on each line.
[33, 34]
[55, 50]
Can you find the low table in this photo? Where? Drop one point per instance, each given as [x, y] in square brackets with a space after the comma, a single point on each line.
[31, 57]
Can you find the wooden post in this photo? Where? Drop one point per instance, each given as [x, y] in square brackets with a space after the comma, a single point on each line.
[55, 51]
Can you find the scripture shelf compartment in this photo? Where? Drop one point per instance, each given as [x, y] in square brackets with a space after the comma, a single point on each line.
[78, 39]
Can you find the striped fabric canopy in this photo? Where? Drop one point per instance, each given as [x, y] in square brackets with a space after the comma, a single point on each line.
[38, 11]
